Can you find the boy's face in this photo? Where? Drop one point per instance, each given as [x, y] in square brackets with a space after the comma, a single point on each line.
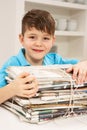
[37, 44]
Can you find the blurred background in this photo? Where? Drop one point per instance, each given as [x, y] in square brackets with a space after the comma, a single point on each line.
[7, 29]
[71, 41]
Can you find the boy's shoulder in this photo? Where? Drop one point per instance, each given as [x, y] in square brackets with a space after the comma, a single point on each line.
[16, 60]
[12, 61]
[54, 58]
[51, 58]
[52, 55]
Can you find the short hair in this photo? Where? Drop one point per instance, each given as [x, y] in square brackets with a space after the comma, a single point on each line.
[40, 19]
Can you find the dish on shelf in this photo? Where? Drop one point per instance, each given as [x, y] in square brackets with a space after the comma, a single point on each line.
[71, 1]
[71, 25]
[80, 1]
[60, 0]
[62, 24]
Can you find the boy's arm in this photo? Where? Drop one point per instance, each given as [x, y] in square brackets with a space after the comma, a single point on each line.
[6, 93]
[24, 85]
[79, 72]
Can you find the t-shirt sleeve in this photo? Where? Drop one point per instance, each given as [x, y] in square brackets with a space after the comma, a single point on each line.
[60, 60]
[2, 78]
[10, 62]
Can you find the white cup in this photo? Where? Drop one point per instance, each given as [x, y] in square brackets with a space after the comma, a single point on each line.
[85, 2]
[56, 23]
[71, 25]
[71, 1]
[80, 1]
[62, 24]
[60, 0]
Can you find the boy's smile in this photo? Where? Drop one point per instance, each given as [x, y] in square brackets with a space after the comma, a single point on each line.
[37, 44]
[37, 50]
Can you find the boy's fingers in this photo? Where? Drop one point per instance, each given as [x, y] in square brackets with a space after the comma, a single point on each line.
[69, 69]
[23, 75]
[29, 79]
[81, 77]
[31, 92]
[32, 85]
[75, 73]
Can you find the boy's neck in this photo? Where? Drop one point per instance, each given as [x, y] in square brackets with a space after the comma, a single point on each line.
[34, 62]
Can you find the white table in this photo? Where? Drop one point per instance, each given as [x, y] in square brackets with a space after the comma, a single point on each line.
[9, 121]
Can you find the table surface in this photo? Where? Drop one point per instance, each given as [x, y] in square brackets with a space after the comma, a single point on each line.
[9, 121]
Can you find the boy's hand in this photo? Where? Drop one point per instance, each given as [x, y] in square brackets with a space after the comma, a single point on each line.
[79, 72]
[25, 85]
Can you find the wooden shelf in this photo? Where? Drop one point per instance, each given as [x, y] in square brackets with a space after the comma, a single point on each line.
[61, 4]
[69, 33]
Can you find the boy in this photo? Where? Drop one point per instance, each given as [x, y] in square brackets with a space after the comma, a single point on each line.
[37, 39]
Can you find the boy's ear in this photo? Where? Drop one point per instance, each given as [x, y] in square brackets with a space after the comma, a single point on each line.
[21, 38]
[54, 39]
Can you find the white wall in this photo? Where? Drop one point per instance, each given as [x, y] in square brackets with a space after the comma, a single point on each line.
[7, 29]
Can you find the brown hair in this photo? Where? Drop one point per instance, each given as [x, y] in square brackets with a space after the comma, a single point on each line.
[40, 19]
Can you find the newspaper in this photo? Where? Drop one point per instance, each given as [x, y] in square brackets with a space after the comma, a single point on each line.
[58, 94]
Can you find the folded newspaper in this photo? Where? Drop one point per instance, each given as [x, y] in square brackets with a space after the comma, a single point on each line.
[58, 95]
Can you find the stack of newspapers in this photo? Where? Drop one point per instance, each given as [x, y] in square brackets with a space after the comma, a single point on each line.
[58, 95]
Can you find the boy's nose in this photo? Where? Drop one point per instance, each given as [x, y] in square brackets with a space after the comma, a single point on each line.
[39, 42]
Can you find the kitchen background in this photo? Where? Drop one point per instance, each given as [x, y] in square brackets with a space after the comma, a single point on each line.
[71, 26]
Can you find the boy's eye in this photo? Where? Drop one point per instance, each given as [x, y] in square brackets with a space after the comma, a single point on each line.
[46, 38]
[32, 37]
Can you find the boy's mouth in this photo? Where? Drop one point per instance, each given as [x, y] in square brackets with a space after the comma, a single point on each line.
[37, 50]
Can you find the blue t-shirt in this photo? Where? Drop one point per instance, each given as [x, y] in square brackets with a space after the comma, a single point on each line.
[20, 60]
